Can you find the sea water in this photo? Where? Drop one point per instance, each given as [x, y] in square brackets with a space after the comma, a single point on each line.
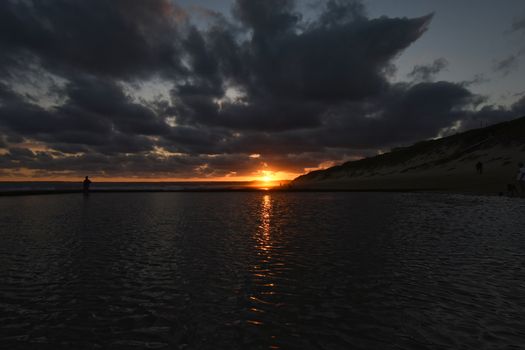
[262, 270]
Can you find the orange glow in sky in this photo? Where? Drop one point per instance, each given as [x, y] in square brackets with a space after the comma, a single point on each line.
[269, 178]
[264, 178]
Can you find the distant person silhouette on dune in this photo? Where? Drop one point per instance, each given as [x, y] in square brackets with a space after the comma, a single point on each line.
[521, 179]
[85, 185]
[479, 168]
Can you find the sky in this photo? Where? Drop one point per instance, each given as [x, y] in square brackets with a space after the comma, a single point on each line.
[245, 89]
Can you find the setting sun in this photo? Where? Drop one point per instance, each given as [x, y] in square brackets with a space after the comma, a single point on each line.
[267, 177]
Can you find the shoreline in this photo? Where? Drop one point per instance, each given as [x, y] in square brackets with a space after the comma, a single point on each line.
[18, 193]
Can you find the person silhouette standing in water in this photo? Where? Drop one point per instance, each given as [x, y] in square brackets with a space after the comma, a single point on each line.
[479, 168]
[85, 185]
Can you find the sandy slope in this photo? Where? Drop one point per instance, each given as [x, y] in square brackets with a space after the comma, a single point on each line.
[447, 164]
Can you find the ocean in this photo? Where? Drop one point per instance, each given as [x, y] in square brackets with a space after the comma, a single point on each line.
[256, 270]
[36, 186]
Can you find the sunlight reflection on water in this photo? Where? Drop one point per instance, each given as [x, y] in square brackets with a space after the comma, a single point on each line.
[263, 237]
[263, 283]
[262, 270]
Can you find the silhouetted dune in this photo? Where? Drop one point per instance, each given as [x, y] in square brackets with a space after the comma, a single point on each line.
[447, 164]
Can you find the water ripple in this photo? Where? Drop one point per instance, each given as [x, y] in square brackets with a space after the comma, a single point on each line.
[262, 271]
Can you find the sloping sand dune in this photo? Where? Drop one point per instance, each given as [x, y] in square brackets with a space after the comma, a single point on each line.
[446, 164]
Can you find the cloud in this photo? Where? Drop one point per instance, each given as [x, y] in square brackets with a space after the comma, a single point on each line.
[510, 63]
[298, 91]
[506, 65]
[290, 78]
[267, 18]
[518, 24]
[403, 114]
[114, 38]
[429, 71]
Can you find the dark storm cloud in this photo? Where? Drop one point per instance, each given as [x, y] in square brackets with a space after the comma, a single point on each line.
[96, 116]
[267, 18]
[120, 38]
[406, 112]
[329, 60]
[264, 81]
[429, 71]
[106, 100]
[289, 74]
[403, 114]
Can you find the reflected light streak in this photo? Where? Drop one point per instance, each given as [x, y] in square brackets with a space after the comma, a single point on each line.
[262, 271]
[264, 238]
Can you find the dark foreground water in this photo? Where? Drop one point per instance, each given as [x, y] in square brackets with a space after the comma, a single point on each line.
[256, 270]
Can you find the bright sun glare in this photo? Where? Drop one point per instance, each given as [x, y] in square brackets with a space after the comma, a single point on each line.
[267, 176]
